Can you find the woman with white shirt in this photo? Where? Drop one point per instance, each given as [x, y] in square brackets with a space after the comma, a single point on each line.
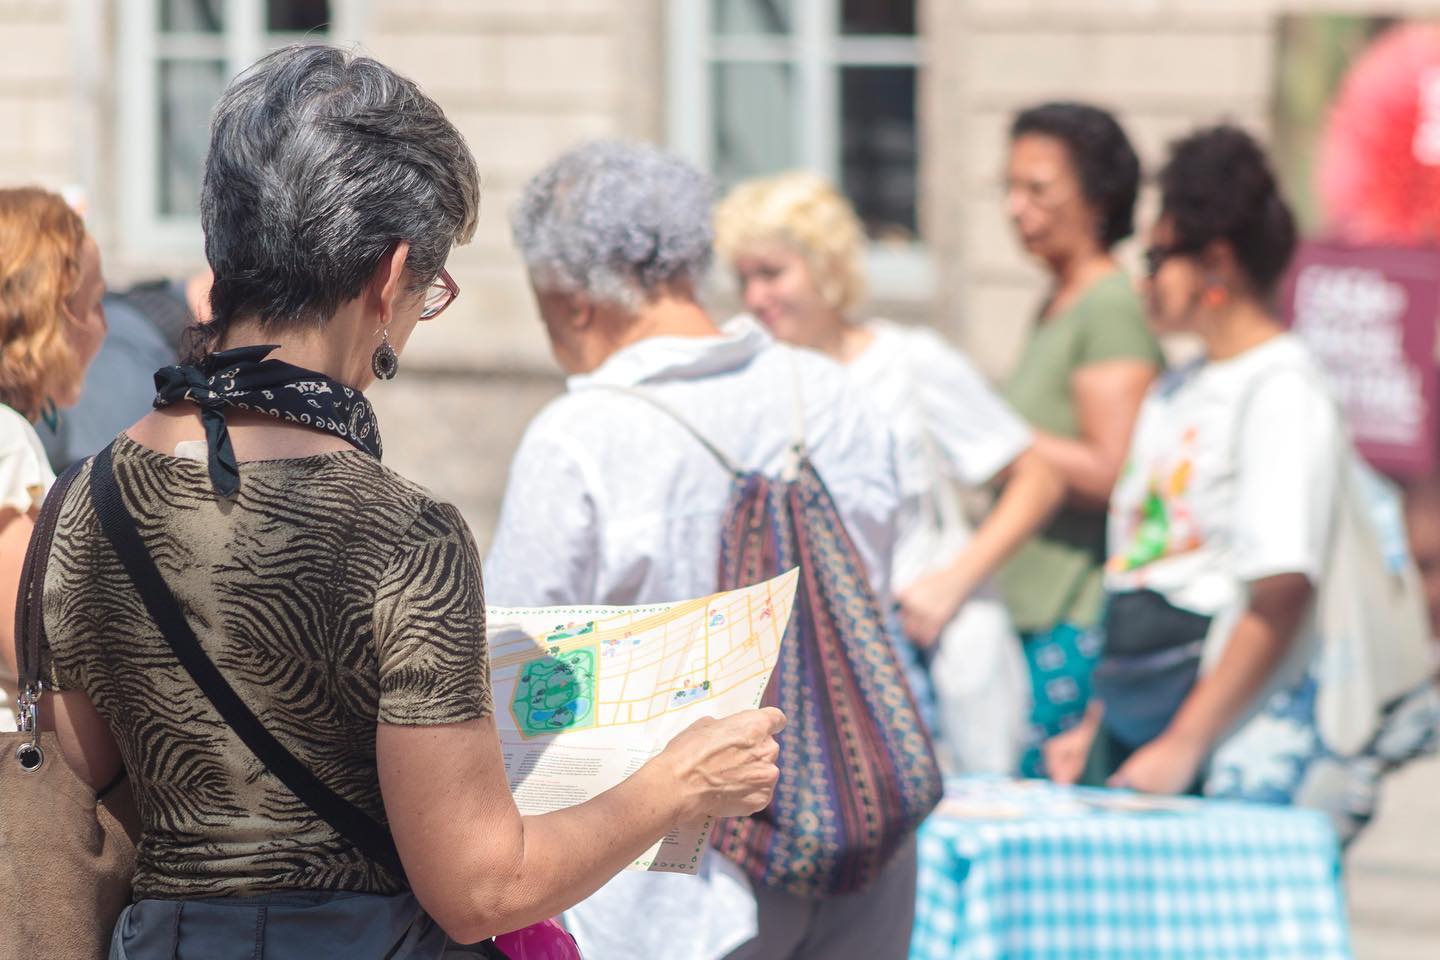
[51, 327]
[795, 245]
[1220, 522]
[612, 501]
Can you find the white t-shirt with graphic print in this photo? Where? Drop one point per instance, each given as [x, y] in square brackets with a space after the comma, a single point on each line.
[1232, 477]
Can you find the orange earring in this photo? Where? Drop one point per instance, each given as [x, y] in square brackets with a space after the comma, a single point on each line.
[1215, 297]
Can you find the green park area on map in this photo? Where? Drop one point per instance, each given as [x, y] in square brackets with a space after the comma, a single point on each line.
[556, 692]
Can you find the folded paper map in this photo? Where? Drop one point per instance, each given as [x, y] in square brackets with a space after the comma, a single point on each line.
[585, 695]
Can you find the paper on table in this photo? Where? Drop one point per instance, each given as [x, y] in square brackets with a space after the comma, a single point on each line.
[585, 695]
[982, 797]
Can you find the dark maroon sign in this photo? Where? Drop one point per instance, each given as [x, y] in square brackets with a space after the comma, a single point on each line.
[1369, 315]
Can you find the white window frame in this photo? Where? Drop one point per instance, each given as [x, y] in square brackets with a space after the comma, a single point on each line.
[141, 46]
[816, 51]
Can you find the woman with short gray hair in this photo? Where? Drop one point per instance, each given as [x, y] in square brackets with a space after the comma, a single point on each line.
[617, 222]
[609, 229]
[617, 496]
[302, 699]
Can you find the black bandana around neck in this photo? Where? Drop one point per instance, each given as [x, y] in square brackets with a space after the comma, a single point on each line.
[242, 378]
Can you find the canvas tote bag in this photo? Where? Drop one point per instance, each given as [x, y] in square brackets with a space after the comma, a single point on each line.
[1370, 618]
[1312, 734]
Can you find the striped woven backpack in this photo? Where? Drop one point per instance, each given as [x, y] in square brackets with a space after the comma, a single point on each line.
[857, 768]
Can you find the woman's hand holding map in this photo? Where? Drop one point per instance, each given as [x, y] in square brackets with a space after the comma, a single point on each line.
[725, 767]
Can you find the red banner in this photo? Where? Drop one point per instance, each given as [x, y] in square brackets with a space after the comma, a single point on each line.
[1369, 315]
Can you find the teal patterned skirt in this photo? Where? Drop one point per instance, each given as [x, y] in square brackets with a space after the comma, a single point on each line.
[1061, 660]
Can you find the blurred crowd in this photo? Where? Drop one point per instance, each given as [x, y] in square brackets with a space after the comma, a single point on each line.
[1110, 570]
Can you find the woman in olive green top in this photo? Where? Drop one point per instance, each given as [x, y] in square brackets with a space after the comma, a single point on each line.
[1071, 183]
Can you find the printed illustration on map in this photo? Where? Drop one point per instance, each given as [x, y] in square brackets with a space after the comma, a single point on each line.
[586, 695]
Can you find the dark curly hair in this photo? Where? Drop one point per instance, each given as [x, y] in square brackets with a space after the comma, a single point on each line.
[1217, 185]
[1102, 155]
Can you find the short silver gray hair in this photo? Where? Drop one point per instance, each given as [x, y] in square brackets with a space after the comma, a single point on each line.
[320, 161]
[617, 223]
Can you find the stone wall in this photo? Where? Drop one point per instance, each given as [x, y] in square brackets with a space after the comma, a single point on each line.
[38, 143]
[523, 80]
[1164, 66]
[526, 78]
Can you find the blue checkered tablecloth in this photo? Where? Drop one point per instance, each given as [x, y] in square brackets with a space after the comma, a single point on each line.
[1023, 870]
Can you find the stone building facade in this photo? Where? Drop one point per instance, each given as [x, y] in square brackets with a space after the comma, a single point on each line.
[109, 96]
[526, 78]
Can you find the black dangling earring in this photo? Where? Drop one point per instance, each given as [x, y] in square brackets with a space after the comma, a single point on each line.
[384, 361]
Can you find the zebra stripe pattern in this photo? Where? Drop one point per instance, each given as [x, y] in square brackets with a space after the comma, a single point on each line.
[331, 593]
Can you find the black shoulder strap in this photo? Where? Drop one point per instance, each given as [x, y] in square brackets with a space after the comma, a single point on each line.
[355, 825]
[31, 652]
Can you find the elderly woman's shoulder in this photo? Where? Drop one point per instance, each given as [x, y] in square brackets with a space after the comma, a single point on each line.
[576, 409]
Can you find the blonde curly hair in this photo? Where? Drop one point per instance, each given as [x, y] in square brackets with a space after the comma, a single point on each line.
[41, 240]
[804, 212]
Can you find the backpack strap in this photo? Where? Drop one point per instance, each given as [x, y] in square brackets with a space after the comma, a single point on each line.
[359, 828]
[798, 451]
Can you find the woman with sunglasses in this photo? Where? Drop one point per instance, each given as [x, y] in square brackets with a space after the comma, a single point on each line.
[1071, 180]
[340, 602]
[1219, 524]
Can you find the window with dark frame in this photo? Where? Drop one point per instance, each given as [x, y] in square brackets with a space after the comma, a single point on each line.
[772, 62]
[195, 56]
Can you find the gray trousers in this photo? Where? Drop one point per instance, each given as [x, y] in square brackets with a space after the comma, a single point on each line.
[872, 925]
[284, 926]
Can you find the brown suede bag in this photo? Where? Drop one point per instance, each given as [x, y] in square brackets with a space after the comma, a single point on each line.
[68, 855]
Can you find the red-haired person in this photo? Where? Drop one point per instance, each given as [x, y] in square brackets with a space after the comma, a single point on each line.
[51, 327]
